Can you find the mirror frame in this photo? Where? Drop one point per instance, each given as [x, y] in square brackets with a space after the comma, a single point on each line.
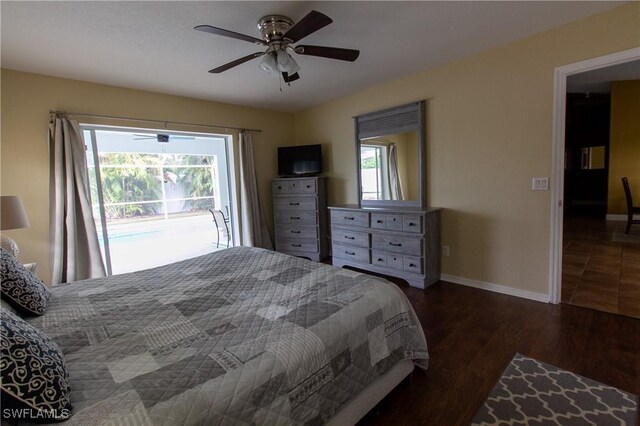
[400, 119]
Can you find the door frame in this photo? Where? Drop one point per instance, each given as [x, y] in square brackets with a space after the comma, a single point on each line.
[557, 173]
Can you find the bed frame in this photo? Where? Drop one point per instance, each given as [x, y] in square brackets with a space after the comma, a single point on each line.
[358, 407]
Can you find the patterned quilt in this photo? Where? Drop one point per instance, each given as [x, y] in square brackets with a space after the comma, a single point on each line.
[240, 336]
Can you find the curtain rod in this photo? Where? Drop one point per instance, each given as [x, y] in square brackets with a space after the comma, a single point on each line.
[152, 121]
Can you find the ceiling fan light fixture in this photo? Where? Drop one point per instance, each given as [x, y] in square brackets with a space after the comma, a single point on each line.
[286, 63]
[269, 64]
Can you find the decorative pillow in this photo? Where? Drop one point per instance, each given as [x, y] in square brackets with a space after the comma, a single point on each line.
[20, 287]
[35, 379]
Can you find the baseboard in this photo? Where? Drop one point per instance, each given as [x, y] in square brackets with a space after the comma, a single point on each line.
[619, 217]
[496, 288]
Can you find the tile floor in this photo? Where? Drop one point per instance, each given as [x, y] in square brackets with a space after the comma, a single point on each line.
[601, 266]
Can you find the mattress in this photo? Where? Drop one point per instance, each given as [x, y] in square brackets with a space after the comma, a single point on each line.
[239, 336]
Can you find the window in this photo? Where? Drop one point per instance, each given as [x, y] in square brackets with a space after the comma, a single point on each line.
[373, 165]
[152, 194]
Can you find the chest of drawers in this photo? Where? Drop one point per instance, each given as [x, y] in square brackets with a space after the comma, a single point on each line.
[299, 211]
[401, 242]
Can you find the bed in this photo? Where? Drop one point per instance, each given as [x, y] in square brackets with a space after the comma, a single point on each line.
[239, 336]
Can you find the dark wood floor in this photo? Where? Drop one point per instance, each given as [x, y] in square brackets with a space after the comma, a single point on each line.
[473, 334]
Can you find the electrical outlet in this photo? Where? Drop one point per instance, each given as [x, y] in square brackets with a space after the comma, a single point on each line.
[445, 251]
[540, 184]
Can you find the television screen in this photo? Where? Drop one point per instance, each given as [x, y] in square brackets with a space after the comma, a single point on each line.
[302, 160]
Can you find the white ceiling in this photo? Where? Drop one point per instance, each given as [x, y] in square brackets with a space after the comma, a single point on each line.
[599, 80]
[152, 45]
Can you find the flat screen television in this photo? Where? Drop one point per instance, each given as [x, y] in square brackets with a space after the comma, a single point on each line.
[301, 160]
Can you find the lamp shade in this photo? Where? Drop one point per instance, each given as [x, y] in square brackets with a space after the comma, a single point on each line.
[286, 63]
[12, 214]
[268, 64]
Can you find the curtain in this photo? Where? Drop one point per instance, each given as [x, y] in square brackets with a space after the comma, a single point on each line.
[74, 240]
[395, 185]
[254, 226]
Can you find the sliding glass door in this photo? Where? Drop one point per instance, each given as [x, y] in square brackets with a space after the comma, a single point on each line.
[154, 195]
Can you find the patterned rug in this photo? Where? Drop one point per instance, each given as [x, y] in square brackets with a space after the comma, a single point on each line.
[534, 393]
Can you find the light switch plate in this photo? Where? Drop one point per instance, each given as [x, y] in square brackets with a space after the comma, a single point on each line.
[540, 184]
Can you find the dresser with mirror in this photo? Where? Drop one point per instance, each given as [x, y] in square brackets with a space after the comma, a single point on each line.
[391, 230]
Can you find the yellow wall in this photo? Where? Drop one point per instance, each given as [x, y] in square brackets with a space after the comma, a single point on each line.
[489, 131]
[624, 144]
[411, 144]
[27, 99]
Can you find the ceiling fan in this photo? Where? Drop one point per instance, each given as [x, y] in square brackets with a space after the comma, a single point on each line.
[279, 33]
[161, 138]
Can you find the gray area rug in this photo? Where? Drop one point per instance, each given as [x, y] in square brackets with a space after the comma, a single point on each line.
[534, 393]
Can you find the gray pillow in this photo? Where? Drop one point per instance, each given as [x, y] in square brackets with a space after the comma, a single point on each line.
[35, 379]
[20, 287]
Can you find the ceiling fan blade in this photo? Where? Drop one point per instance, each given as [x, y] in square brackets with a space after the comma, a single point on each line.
[227, 33]
[289, 78]
[329, 52]
[311, 23]
[235, 63]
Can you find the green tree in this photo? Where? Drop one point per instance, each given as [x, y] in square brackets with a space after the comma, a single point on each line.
[369, 163]
[195, 181]
[135, 182]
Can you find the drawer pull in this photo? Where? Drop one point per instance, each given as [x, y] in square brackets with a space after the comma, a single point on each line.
[295, 232]
[349, 238]
[279, 187]
[294, 217]
[349, 218]
[412, 224]
[308, 186]
[395, 244]
[380, 259]
[350, 253]
[379, 221]
[411, 265]
[294, 204]
[296, 245]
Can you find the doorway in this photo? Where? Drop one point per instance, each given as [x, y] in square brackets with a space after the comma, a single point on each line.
[153, 194]
[592, 264]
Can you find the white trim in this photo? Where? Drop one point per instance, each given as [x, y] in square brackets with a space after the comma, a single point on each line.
[617, 217]
[496, 288]
[557, 173]
[233, 189]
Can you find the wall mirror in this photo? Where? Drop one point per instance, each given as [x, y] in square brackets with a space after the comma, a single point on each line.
[592, 158]
[390, 152]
